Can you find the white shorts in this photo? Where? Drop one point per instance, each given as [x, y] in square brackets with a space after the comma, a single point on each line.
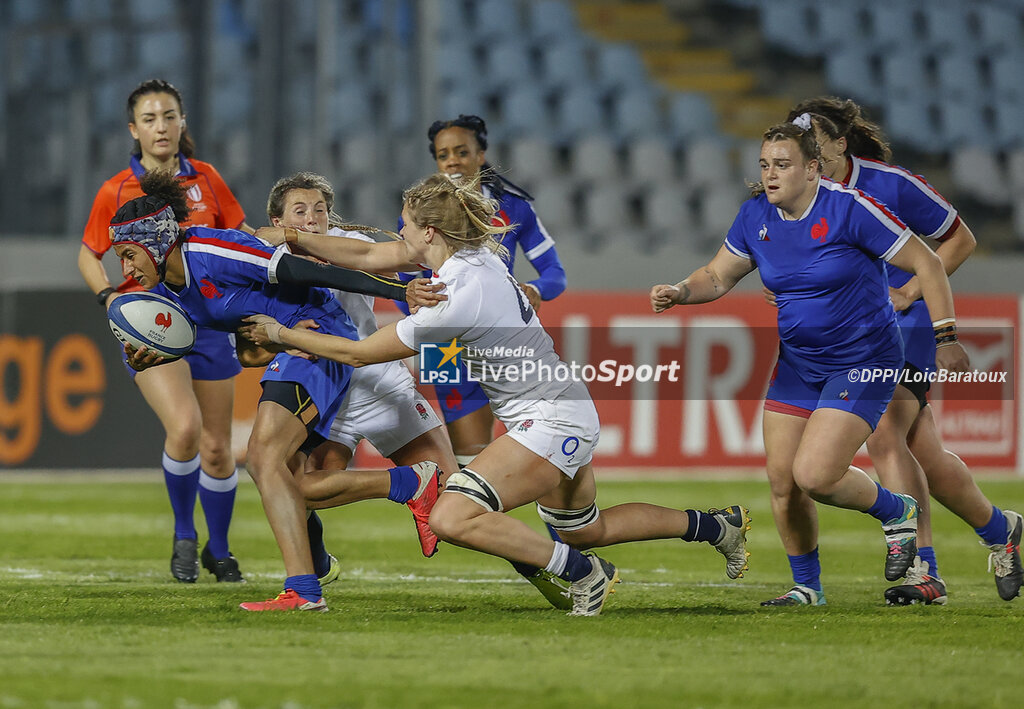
[566, 436]
[388, 422]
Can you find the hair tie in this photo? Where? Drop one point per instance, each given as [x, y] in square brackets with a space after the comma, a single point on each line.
[803, 121]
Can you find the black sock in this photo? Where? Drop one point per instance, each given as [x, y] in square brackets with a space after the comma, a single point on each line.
[524, 569]
[315, 530]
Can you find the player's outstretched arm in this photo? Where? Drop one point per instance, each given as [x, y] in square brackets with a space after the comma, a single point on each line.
[381, 346]
[705, 284]
[386, 257]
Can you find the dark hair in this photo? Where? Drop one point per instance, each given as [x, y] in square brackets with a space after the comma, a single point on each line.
[161, 190]
[864, 139]
[302, 181]
[498, 184]
[186, 146]
[804, 139]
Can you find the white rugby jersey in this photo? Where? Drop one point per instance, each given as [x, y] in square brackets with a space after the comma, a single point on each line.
[373, 381]
[506, 348]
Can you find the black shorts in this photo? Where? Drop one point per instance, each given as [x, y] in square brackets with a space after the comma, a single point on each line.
[918, 388]
[297, 400]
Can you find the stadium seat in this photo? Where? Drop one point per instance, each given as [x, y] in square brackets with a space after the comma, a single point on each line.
[967, 123]
[564, 63]
[233, 100]
[102, 51]
[1015, 169]
[531, 159]
[905, 74]
[1000, 28]
[107, 101]
[162, 53]
[748, 163]
[606, 212]
[551, 20]
[524, 110]
[620, 67]
[667, 213]
[976, 171]
[691, 117]
[554, 203]
[496, 19]
[1018, 218]
[894, 24]
[455, 23]
[636, 113]
[509, 62]
[707, 163]
[454, 65]
[579, 113]
[910, 119]
[788, 24]
[1009, 119]
[651, 160]
[400, 107]
[1006, 75]
[462, 99]
[359, 153]
[848, 72]
[842, 24]
[595, 159]
[718, 208]
[89, 11]
[26, 12]
[146, 13]
[949, 24]
[350, 110]
[959, 76]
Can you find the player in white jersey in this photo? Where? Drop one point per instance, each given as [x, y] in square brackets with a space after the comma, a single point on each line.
[552, 425]
[382, 404]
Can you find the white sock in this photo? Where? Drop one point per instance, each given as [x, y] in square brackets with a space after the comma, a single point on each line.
[558, 559]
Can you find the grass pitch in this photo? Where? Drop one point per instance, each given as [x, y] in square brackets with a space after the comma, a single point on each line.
[91, 618]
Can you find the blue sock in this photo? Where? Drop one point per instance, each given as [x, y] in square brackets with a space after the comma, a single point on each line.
[552, 533]
[404, 483]
[927, 554]
[315, 530]
[806, 569]
[887, 505]
[182, 480]
[218, 500]
[702, 527]
[576, 565]
[306, 586]
[995, 531]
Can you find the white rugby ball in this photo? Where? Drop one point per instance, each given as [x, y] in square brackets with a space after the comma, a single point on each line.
[152, 320]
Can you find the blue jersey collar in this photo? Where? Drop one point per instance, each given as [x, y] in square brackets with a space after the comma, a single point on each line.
[185, 168]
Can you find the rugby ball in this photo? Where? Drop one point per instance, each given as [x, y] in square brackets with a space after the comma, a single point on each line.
[152, 320]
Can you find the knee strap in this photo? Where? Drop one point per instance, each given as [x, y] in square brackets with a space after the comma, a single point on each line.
[475, 487]
[569, 520]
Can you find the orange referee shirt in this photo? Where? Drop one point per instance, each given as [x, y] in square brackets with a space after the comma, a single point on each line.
[211, 201]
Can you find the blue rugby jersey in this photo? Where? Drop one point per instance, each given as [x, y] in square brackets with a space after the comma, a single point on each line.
[927, 214]
[230, 275]
[827, 271]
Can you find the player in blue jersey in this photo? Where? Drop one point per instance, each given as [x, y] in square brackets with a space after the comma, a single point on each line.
[458, 147]
[220, 276]
[821, 247]
[855, 153]
[553, 428]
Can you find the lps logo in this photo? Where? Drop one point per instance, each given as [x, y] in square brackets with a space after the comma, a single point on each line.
[439, 363]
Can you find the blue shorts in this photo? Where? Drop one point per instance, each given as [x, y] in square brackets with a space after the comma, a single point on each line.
[790, 392]
[458, 400]
[213, 357]
[325, 380]
[918, 344]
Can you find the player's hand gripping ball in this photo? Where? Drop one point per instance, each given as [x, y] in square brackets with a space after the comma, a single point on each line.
[150, 320]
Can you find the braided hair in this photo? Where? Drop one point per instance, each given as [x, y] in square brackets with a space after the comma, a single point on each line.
[458, 211]
[497, 183]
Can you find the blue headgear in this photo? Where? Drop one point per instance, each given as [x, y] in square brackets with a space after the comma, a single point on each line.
[156, 232]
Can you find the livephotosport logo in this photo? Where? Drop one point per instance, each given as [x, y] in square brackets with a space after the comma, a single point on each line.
[439, 363]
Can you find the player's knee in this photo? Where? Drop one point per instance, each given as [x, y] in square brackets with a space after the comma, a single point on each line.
[582, 528]
[808, 477]
[216, 456]
[184, 433]
[451, 516]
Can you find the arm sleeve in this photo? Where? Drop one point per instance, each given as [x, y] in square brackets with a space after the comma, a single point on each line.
[230, 213]
[875, 229]
[923, 209]
[736, 239]
[539, 249]
[300, 271]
